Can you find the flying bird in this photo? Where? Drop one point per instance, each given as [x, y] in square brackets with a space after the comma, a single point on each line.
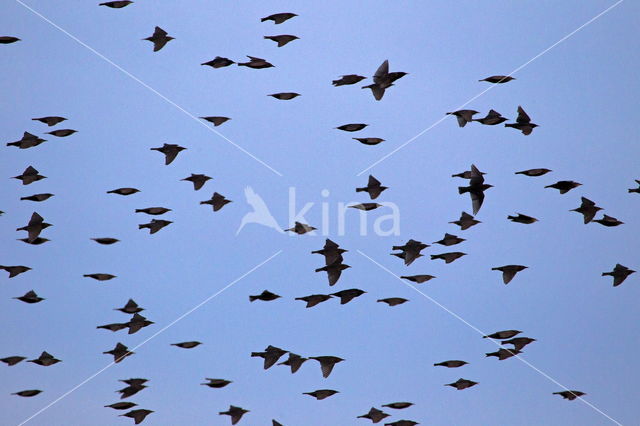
[123, 405]
[14, 271]
[217, 201]
[374, 188]
[399, 405]
[534, 172]
[588, 209]
[393, 301]
[609, 221]
[100, 276]
[50, 120]
[235, 413]
[523, 123]
[159, 38]
[30, 297]
[271, 355]
[509, 271]
[491, 119]
[28, 141]
[119, 4]
[155, 225]
[119, 353]
[522, 218]
[348, 80]
[216, 120]
[402, 423]
[374, 415]
[383, 79]
[123, 191]
[331, 251]
[114, 326]
[28, 393]
[131, 307]
[619, 274]
[37, 197]
[8, 39]
[518, 342]
[448, 257]
[410, 251]
[187, 345]
[451, 240]
[365, 206]
[170, 152]
[255, 63]
[451, 364]
[265, 296]
[418, 279]
[503, 354]
[334, 271]
[463, 116]
[476, 189]
[62, 133]
[369, 141]
[570, 394]
[35, 226]
[29, 175]
[45, 359]
[461, 384]
[154, 211]
[138, 322]
[301, 228]
[216, 383]
[294, 361]
[501, 335]
[498, 79]
[314, 299]
[218, 62]
[105, 241]
[12, 360]
[284, 96]
[279, 18]
[352, 127]
[137, 415]
[282, 39]
[348, 295]
[564, 186]
[327, 363]
[321, 393]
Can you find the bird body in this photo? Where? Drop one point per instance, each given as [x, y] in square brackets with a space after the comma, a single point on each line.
[279, 18]
[159, 38]
[348, 80]
[619, 274]
[509, 271]
[282, 39]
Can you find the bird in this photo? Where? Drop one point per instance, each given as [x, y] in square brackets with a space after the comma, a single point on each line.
[284, 96]
[119, 4]
[609, 221]
[450, 239]
[279, 18]
[256, 63]
[467, 174]
[327, 363]
[282, 39]
[114, 326]
[588, 209]
[451, 364]
[28, 393]
[271, 355]
[50, 120]
[100, 276]
[138, 322]
[235, 413]
[294, 361]
[518, 342]
[28, 141]
[348, 79]
[187, 345]
[619, 274]
[155, 211]
[35, 226]
[131, 390]
[123, 191]
[509, 271]
[463, 116]
[30, 297]
[12, 360]
[501, 335]
[365, 206]
[402, 423]
[131, 307]
[260, 213]
[170, 152]
[352, 127]
[393, 301]
[491, 119]
[301, 228]
[498, 79]
[476, 188]
[119, 353]
[265, 296]
[399, 405]
[636, 190]
[8, 39]
[218, 62]
[503, 354]
[534, 172]
[314, 299]
[334, 271]
[570, 394]
[35, 242]
[45, 359]
[155, 225]
[382, 80]
[374, 188]
[331, 251]
[418, 279]
[216, 383]
[105, 241]
[123, 405]
[137, 415]
[522, 218]
[410, 251]
[369, 141]
[348, 295]
[216, 120]
[461, 384]
[14, 271]
[29, 175]
[374, 415]
[159, 38]
[217, 201]
[564, 186]
[321, 393]
[448, 257]
[37, 197]
[523, 122]
[62, 133]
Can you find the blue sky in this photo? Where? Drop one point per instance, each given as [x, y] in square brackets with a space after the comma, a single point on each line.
[581, 93]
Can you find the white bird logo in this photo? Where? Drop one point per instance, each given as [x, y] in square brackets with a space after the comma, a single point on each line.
[260, 214]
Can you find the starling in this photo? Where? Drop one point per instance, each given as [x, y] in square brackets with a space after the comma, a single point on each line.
[100, 277]
[114, 327]
[450, 240]
[609, 221]
[119, 352]
[271, 355]
[522, 218]
[534, 172]
[37, 197]
[12, 360]
[294, 361]
[50, 121]
[331, 251]
[255, 63]
[170, 152]
[159, 38]
[348, 295]
[509, 271]
[27, 393]
[28, 141]
[284, 96]
[15, 270]
[503, 354]
[282, 39]
[352, 127]
[314, 299]
[588, 209]
[468, 174]
[448, 257]
[464, 116]
[369, 141]
[327, 363]
[374, 415]
[235, 413]
[62, 133]
[321, 393]
[333, 271]
[187, 345]
[30, 297]
[619, 274]
[410, 251]
[570, 394]
[518, 342]
[35, 242]
[265, 296]
[29, 175]
[498, 79]
[123, 191]
[119, 4]
[636, 190]
[138, 322]
[124, 405]
[155, 211]
[374, 188]
[216, 383]
[399, 405]
[491, 119]
[34, 227]
[402, 423]
[462, 384]
[217, 201]
[131, 390]
[418, 279]
[155, 225]
[476, 188]
[279, 18]
[383, 79]
[347, 80]
[564, 186]
[301, 228]
[105, 241]
[45, 359]
[451, 364]
[501, 335]
[131, 307]
[523, 123]
[216, 120]
[366, 206]
[393, 301]
[218, 62]
[137, 415]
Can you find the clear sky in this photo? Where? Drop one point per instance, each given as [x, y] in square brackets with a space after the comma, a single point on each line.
[582, 93]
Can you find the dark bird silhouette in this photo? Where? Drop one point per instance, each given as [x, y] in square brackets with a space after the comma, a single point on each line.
[523, 123]
[37, 197]
[369, 141]
[467, 174]
[105, 241]
[518, 342]
[275, 423]
[314, 299]
[170, 152]
[321, 393]
[347, 80]
[503, 354]
[410, 251]
[218, 62]
[30, 297]
[217, 201]
[348, 295]
[294, 361]
[279, 18]
[522, 218]
[534, 172]
[374, 415]
[137, 415]
[451, 364]
[271, 355]
[123, 191]
[501, 335]
[449, 239]
[100, 276]
[138, 322]
[216, 383]
[619, 274]
[399, 405]
[284, 96]
[448, 257]
[418, 279]
[119, 353]
[570, 394]
[588, 209]
[383, 79]
[301, 228]
[131, 307]
[62, 133]
[609, 221]
[564, 186]
[498, 79]
[27, 393]
[374, 188]
[476, 188]
[333, 271]
[365, 206]
[159, 38]
[187, 345]
[393, 301]
[154, 211]
[123, 405]
[327, 363]
[50, 120]
[216, 120]
[132, 389]
[45, 359]
[28, 141]
[352, 127]
[509, 271]
[491, 119]
[14, 271]
[235, 413]
[8, 39]
[464, 116]
[114, 327]
[35, 226]
[255, 63]
[29, 175]
[331, 251]
[35, 242]
[402, 423]
[12, 360]
[636, 190]
[282, 39]
[461, 384]
[265, 296]
[119, 4]
[155, 225]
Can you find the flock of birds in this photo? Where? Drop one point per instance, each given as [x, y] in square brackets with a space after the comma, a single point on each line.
[383, 79]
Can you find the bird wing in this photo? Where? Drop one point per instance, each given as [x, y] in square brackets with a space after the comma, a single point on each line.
[373, 181]
[476, 200]
[159, 32]
[507, 275]
[523, 118]
[326, 367]
[381, 72]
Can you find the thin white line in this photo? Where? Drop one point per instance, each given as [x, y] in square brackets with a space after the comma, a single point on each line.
[100, 55]
[151, 337]
[484, 334]
[492, 86]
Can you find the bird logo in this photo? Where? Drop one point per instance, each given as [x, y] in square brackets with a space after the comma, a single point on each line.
[260, 214]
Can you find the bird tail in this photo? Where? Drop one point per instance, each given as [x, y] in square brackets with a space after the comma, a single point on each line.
[434, 256]
[607, 273]
[140, 226]
[511, 217]
[263, 19]
[321, 269]
[254, 354]
[361, 189]
[252, 298]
